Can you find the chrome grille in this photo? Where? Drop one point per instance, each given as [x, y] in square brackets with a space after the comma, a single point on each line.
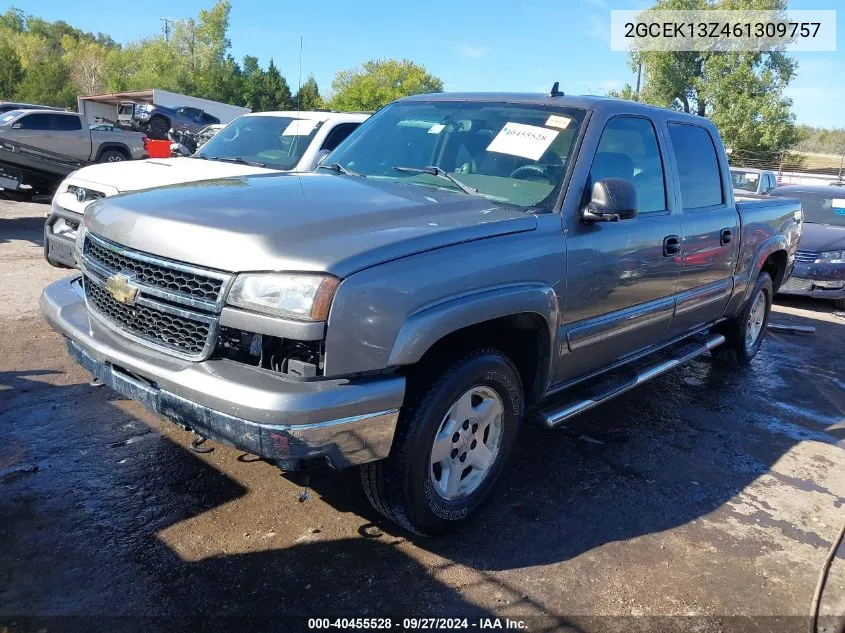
[806, 257]
[176, 332]
[170, 276]
[176, 308]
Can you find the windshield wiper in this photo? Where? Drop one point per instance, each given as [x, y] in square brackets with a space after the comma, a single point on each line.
[440, 173]
[340, 169]
[239, 160]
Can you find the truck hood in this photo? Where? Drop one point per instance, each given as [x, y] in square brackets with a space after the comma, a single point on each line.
[157, 172]
[298, 222]
[822, 237]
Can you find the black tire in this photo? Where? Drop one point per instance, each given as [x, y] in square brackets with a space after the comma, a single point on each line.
[400, 487]
[735, 349]
[839, 304]
[158, 128]
[112, 156]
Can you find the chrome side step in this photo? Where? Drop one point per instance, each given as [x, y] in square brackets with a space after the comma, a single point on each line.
[615, 385]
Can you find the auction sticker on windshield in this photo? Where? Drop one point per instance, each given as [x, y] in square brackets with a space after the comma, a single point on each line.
[556, 120]
[518, 139]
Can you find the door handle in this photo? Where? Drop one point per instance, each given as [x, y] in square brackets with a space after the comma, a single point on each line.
[671, 245]
[725, 237]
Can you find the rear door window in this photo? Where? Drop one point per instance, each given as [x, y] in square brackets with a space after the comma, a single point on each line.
[66, 122]
[698, 166]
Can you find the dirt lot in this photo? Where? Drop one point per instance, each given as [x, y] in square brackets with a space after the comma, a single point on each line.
[721, 498]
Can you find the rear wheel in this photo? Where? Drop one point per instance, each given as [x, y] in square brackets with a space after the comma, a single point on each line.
[454, 436]
[744, 333]
[112, 156]
[839, 304]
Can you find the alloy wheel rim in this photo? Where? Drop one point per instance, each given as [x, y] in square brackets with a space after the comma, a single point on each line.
[755, 320]
[467, 443]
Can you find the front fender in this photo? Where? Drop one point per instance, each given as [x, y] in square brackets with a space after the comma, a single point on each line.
[424, 328]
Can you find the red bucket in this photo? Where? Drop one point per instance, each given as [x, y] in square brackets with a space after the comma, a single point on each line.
[158, 149]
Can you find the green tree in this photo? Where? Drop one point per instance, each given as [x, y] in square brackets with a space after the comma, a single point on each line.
[742, 92]
[378, 82]
[277, 90]
[308, 96]
[14, 20]
[253, 84]
[48, 82]
[87, 64]
[11, 71]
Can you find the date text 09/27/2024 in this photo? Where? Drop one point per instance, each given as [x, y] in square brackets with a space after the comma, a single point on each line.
[417, 624]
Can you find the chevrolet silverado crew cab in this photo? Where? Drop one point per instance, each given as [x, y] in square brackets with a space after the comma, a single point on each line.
[262, 143]
[460, 265]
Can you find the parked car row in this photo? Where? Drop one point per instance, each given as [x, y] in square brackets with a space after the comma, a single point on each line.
[458, 265]
[259, 143]
[820, 260]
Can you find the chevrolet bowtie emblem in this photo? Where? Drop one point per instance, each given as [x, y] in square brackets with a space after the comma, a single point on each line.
[121, 289]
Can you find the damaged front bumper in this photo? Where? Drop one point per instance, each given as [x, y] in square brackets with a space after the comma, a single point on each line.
[345, 421]
[820, 281]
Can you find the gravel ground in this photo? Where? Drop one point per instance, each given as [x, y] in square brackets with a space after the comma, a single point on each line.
[713, 510]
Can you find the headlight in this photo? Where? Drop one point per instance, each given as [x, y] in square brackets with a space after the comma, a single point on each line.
[831, 257]
[297, 296]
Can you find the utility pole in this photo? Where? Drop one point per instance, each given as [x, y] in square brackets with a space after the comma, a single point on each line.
[166, 27]
[639, 77]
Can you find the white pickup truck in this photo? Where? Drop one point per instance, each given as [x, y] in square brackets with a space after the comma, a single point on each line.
[263, 142]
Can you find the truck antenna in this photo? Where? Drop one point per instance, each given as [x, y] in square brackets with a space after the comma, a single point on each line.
[299, 87]
[556, 92]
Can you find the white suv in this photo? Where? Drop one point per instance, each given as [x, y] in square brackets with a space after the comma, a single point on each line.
[261, 142]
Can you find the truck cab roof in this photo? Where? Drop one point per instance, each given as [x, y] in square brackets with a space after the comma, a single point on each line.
[583, 102]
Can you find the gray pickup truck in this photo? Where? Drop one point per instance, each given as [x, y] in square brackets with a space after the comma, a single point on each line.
[461, 263]
[68, 134]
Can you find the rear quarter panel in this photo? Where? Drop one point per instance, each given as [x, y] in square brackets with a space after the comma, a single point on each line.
[767, 225]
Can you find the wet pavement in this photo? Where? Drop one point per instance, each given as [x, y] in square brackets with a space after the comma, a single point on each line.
[707, 499]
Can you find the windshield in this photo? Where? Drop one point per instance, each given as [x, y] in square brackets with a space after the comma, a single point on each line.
[8, 116]
[507, 152]
[745, 180]
[277, 141]
[819, 208]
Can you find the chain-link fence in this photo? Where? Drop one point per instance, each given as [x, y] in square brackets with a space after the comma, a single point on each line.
[823, 165]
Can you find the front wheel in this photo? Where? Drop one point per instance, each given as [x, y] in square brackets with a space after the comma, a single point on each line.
[744, 333]
[453, 439]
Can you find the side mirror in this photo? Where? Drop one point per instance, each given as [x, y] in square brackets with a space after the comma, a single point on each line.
[17, 126]
[612, 199]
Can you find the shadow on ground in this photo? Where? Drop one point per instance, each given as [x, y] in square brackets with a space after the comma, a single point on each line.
[28, 228]
[80, 529]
